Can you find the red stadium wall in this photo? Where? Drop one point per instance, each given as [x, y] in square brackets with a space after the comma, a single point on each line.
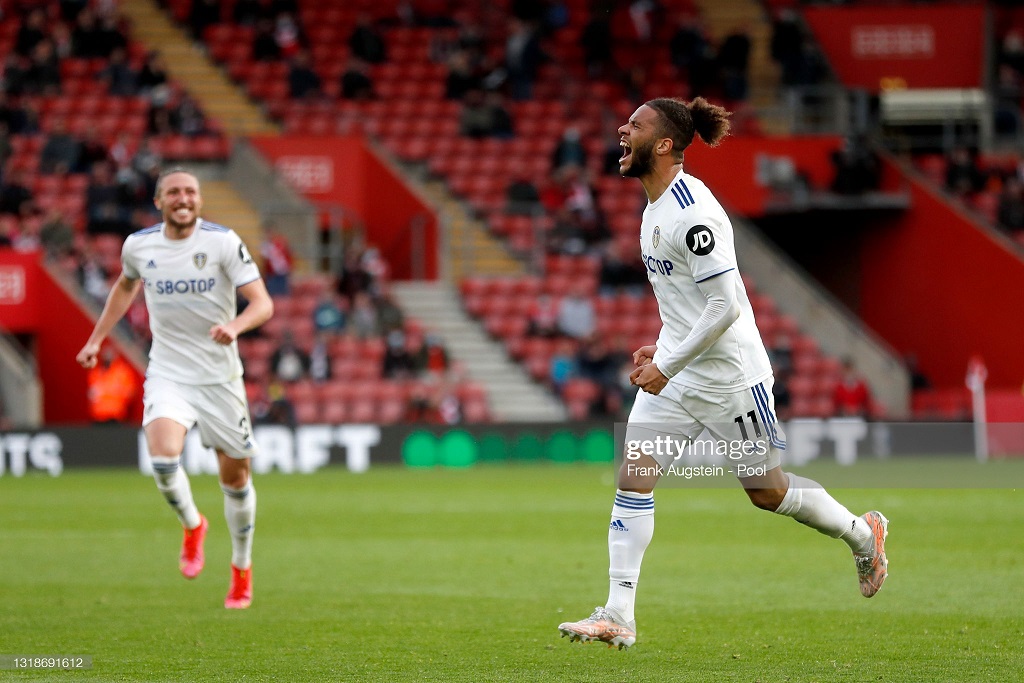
[344, 171]
[935, 46]
[58, 327]
[935, 284]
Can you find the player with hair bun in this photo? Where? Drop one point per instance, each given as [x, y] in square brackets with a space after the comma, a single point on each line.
[708, 370]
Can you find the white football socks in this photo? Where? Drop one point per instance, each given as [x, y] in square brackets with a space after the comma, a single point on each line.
[629, 534]
[173, 483]
[240, 513]
[808, 503]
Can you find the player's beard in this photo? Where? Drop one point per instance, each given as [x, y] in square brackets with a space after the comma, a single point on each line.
[178, 225]
[641, 161]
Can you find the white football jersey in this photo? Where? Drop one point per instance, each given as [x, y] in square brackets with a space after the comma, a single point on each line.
[190, 287]
[686, 237]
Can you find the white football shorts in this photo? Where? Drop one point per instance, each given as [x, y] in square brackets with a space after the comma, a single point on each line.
[220, 411]
[745, 420]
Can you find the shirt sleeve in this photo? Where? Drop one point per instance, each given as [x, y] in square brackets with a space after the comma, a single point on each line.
[128, 267]
[237, 262]
[708, 249]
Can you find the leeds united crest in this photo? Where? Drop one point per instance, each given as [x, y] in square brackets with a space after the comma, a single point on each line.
[199, 259]
[656, 237]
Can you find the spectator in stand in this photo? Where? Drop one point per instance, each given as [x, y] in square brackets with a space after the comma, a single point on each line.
[303, 82]
[780, 353]
[111, 37]
[264, 47]
[31, 33]
[249, 12]
[397, 363]
[1011, 50]
[189, 117]
[786, 41]
[436, 360]
[503, 126]
[1007, 91]
[289, 363]
[8, 233]
[92, 149]
[92, 276]
[327, 316]
[277, 261]
[562, 366]
[522, 195]
[856, 168]
[15, 74]
[112, 387]
[523, 58]
[783, 397]
[461, 76]
[366, 42]
[43, 74]
[963, 176]
[354, 278]
[596, 40]
[1011, 205]
[70, 9]
[12, 116]
[60, 37]
[597, 362]
[86, 37]
[15, 195]
[57, 236]
[569, 151]
[477, 119]
[204, 13]
[153, 73]
[576, 315]
[363, 316]
[276, 409]
[355, 81]
[161, 118]
[851, 397]
[734, 63]
[28, 238]
[542, 319]
[146, 159]
[288, 35]
[389, 315]
[118, 74]
[691, 52]
[622, 270]
[106, 202]
[320, 369]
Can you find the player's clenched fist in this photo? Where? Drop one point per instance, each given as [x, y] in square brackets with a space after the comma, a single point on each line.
[649, 378]
[87, 356]
[222, 334]
[644, 355]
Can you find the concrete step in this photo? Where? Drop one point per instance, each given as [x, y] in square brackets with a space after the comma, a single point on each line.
[512, 394]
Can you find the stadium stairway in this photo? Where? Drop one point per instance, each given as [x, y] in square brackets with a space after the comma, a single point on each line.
[223, 204]
[187, 63]
[512, 395]
[837, 331]
[721, 17]
[468, 248]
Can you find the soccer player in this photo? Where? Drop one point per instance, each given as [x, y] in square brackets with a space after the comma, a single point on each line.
[709, 369]
[189, 269]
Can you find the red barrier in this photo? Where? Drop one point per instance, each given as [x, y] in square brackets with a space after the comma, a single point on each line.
[59, 328]
[344, 171]
[875, 47]
[933, 283]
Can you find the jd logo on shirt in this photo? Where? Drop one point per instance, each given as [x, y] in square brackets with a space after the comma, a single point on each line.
[700, 241]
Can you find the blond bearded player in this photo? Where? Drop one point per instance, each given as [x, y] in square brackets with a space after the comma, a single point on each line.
[190, 270]
[709, 369]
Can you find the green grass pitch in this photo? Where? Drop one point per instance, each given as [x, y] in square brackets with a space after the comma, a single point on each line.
[463, 575]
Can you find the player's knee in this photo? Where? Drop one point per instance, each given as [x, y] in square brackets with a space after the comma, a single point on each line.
[766, 499]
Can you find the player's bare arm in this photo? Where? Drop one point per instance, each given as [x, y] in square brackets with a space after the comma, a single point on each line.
[259, 310]
[118, 301]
